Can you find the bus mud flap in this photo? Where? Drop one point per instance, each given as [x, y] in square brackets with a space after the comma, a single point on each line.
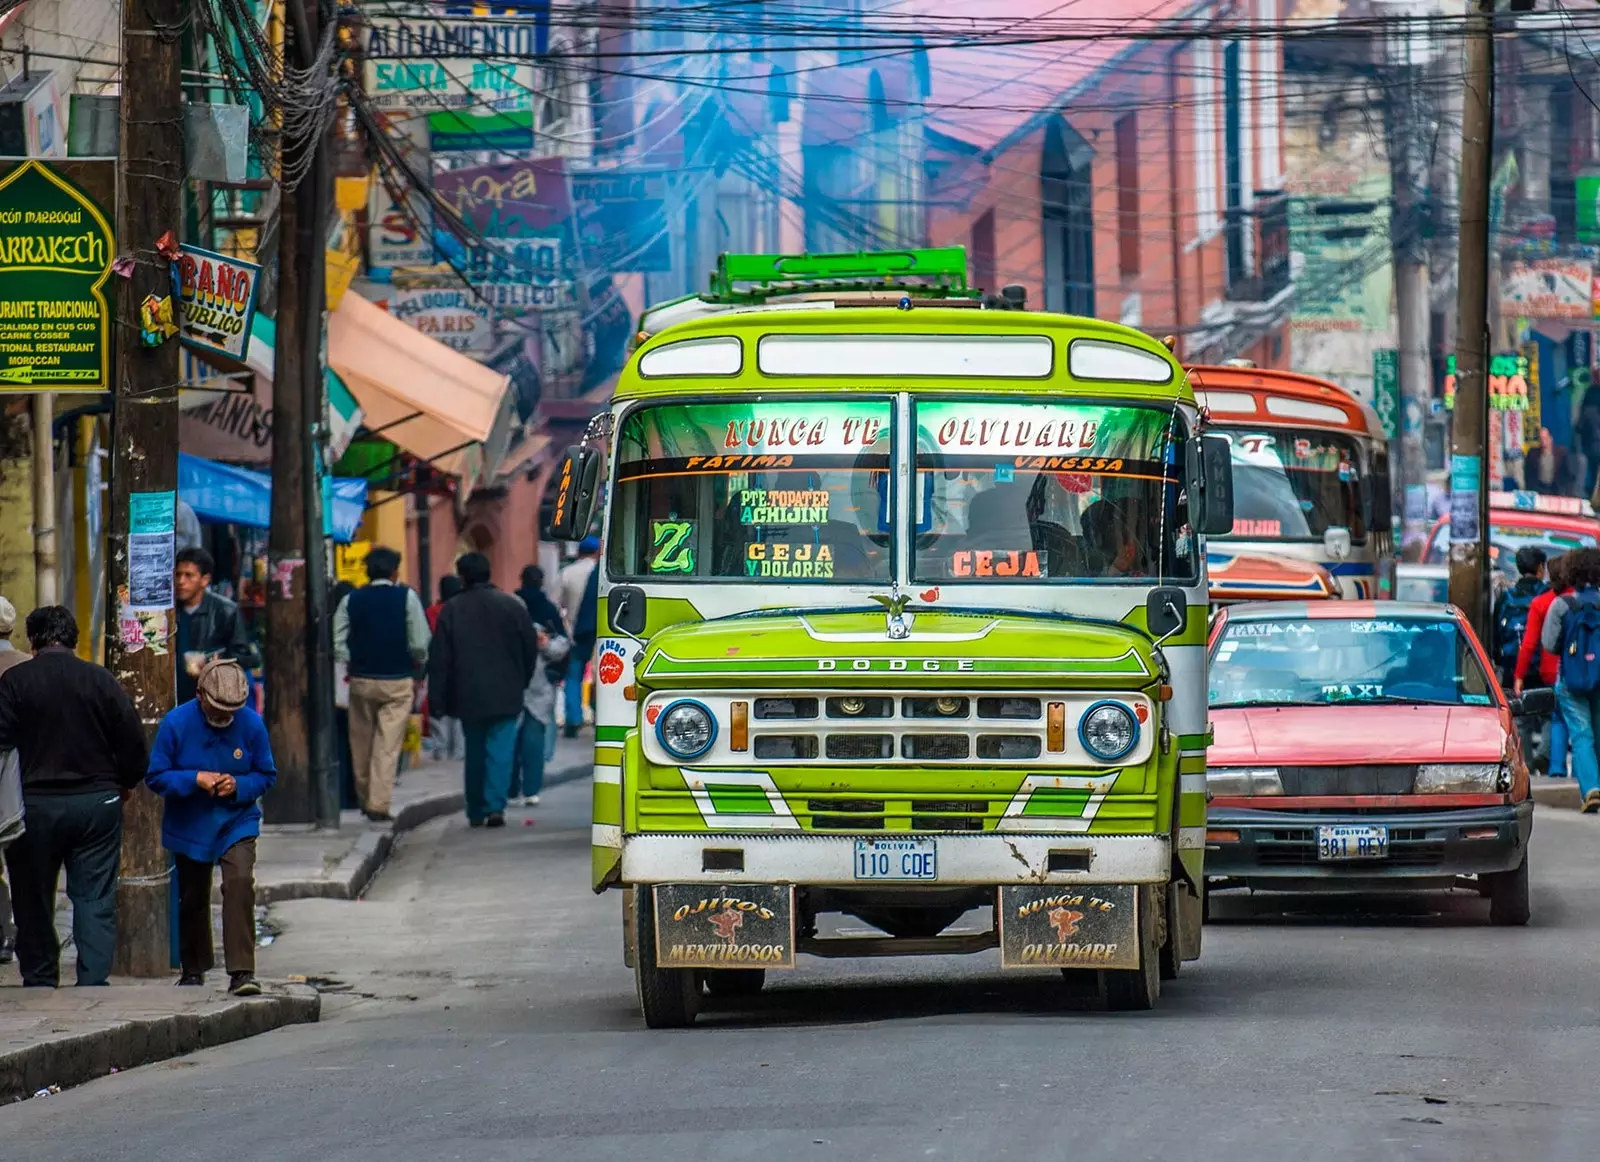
[1086, 926]
[724, 925]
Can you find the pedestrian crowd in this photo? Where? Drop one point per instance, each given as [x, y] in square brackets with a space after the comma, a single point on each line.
[1547, 634]
[488, 667]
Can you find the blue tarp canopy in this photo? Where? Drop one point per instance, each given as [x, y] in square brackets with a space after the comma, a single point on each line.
[242, 496]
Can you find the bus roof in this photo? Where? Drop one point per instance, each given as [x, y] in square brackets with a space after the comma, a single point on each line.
[800, 348]
[1261, 396]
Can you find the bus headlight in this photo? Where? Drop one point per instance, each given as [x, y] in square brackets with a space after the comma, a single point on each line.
[1108, 730]
[686, 729]
[1462, 778]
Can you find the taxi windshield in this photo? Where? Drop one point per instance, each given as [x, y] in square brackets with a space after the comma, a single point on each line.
[1292, 484]
[1320, 661]
[1024, 492]
[793, 491]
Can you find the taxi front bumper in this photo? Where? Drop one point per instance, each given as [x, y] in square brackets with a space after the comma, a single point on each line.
[1261, 845]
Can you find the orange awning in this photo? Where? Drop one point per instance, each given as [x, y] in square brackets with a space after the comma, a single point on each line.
[419, 394]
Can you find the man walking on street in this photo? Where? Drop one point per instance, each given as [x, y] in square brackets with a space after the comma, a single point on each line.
[574, 583]
[483, 657]
[380, 633]
[83, 751]
[211, 763]
[10, 786]
[209, 625]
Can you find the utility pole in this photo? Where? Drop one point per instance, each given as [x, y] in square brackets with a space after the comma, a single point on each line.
[1470, 427]
[295, 539]
[144, 432]
[1413, 294]
[46, 575]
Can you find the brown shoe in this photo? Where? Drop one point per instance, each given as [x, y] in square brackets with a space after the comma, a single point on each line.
[1591, 802]
[243, 984]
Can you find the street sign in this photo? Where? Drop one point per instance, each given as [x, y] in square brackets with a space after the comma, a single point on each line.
[454, 317]
[56, 247]
[218, 300]
[1386, 389]
[521, 199]
[474, 62]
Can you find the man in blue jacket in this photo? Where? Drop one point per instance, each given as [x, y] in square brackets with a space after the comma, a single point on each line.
[212, 763]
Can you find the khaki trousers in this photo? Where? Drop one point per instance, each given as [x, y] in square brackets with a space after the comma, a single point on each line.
[195, 949]
[379, 708]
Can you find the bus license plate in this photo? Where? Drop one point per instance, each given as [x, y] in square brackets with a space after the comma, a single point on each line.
[897, 859]
[1352, 842]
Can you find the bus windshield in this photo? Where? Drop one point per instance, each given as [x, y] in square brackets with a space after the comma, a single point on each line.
[792, 491]
[1293, 484]
[1029, 492]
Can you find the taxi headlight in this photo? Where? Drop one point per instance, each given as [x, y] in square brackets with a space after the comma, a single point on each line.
[1108, 730]
[686, 729]
[1462, 778]
[1242, 782]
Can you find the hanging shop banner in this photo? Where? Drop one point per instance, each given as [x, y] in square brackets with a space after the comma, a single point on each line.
[472, 62]
[1512, 378]
[511, 276]
[1386, 389]
[56, 247]
[458, 132]
[1548, 288]
[523, 199]
[622, 219]
[219, 300]
[455, 317]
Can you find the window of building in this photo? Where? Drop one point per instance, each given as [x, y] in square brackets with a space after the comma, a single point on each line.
[1207, 219]
[1127, 147]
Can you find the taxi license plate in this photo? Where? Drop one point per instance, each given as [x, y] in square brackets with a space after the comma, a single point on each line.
[897, 859]
[1344, 842]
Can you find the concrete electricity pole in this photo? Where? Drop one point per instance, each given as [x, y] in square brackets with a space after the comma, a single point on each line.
[1470, 428]
[144, 465]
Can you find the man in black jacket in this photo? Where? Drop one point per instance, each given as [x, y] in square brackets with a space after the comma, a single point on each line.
[209, 625]
[484, 653]
[83, 750]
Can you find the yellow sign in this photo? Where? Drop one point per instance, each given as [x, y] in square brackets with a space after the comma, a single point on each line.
[350, 562]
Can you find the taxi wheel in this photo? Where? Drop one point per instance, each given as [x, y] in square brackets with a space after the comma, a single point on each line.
[670, 997]
[1136, 990]
[734, 982]
[1508, 896]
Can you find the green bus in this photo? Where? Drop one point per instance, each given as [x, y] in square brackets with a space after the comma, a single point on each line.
[903, 614]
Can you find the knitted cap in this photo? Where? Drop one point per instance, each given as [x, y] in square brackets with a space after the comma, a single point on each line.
[8, 617]
[224, 684]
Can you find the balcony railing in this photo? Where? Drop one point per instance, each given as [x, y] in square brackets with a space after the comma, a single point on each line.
[1267, 224]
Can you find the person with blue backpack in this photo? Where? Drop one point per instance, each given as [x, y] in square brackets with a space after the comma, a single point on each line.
[1511, 610]
[1572, 632]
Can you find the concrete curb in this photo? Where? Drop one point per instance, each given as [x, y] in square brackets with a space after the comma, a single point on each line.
[372, 848]
[81, 1057]
[1557, 793]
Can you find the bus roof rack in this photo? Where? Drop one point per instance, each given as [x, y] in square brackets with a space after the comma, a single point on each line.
[927, 273]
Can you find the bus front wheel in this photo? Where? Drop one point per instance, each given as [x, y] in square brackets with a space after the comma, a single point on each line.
[670, 997]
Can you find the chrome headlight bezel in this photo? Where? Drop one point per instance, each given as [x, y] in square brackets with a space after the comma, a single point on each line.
[1462, 779]
[1108, 706]
[690, 705]
[1243, 782]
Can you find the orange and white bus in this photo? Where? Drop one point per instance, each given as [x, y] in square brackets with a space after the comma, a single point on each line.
[1310, 474]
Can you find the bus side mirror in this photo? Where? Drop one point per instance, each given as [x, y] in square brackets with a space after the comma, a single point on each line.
[577, 481]
[1210, 484]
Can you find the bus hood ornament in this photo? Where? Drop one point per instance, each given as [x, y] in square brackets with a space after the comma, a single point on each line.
[899, 623]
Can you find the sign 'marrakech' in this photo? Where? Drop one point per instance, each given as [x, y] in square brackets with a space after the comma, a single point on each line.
[56, 247]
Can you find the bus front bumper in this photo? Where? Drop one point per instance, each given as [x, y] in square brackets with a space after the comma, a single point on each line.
[812, 859]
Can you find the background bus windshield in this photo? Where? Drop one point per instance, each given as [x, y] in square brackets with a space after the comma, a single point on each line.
[791, 491]
[1294, 484]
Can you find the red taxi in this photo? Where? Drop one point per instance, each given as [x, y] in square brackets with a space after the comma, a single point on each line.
[1363, 745]
[1556, 524]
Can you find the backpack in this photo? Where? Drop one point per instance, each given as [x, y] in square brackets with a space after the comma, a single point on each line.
[1580, 642]
[1511, 623]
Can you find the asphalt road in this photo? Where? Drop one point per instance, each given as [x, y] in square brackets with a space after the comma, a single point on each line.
[479, 1010]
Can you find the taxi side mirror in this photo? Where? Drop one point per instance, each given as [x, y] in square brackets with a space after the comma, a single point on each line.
[1209, 464]
[1540, 700]
[577, 481]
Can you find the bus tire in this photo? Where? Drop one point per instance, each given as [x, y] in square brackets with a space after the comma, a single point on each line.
[735, 982]
[1137, 989]
[1171, 932]
[670, 997]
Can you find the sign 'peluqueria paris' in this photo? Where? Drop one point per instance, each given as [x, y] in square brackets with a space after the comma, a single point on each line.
[903, 609]
[56, 248]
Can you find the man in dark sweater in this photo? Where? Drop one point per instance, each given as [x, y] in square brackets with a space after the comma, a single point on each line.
[380, 633]
[83, 751]
[209, 625]
[484, 654]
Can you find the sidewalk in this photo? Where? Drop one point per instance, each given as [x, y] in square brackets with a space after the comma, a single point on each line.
[1556, 792]
[65, 1037]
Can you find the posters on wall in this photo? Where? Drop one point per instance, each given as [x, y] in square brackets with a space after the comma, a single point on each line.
[1547, 288]
[56, 248]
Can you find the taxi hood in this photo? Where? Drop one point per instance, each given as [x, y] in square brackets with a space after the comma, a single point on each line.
[852, 648]
[1329, 735]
